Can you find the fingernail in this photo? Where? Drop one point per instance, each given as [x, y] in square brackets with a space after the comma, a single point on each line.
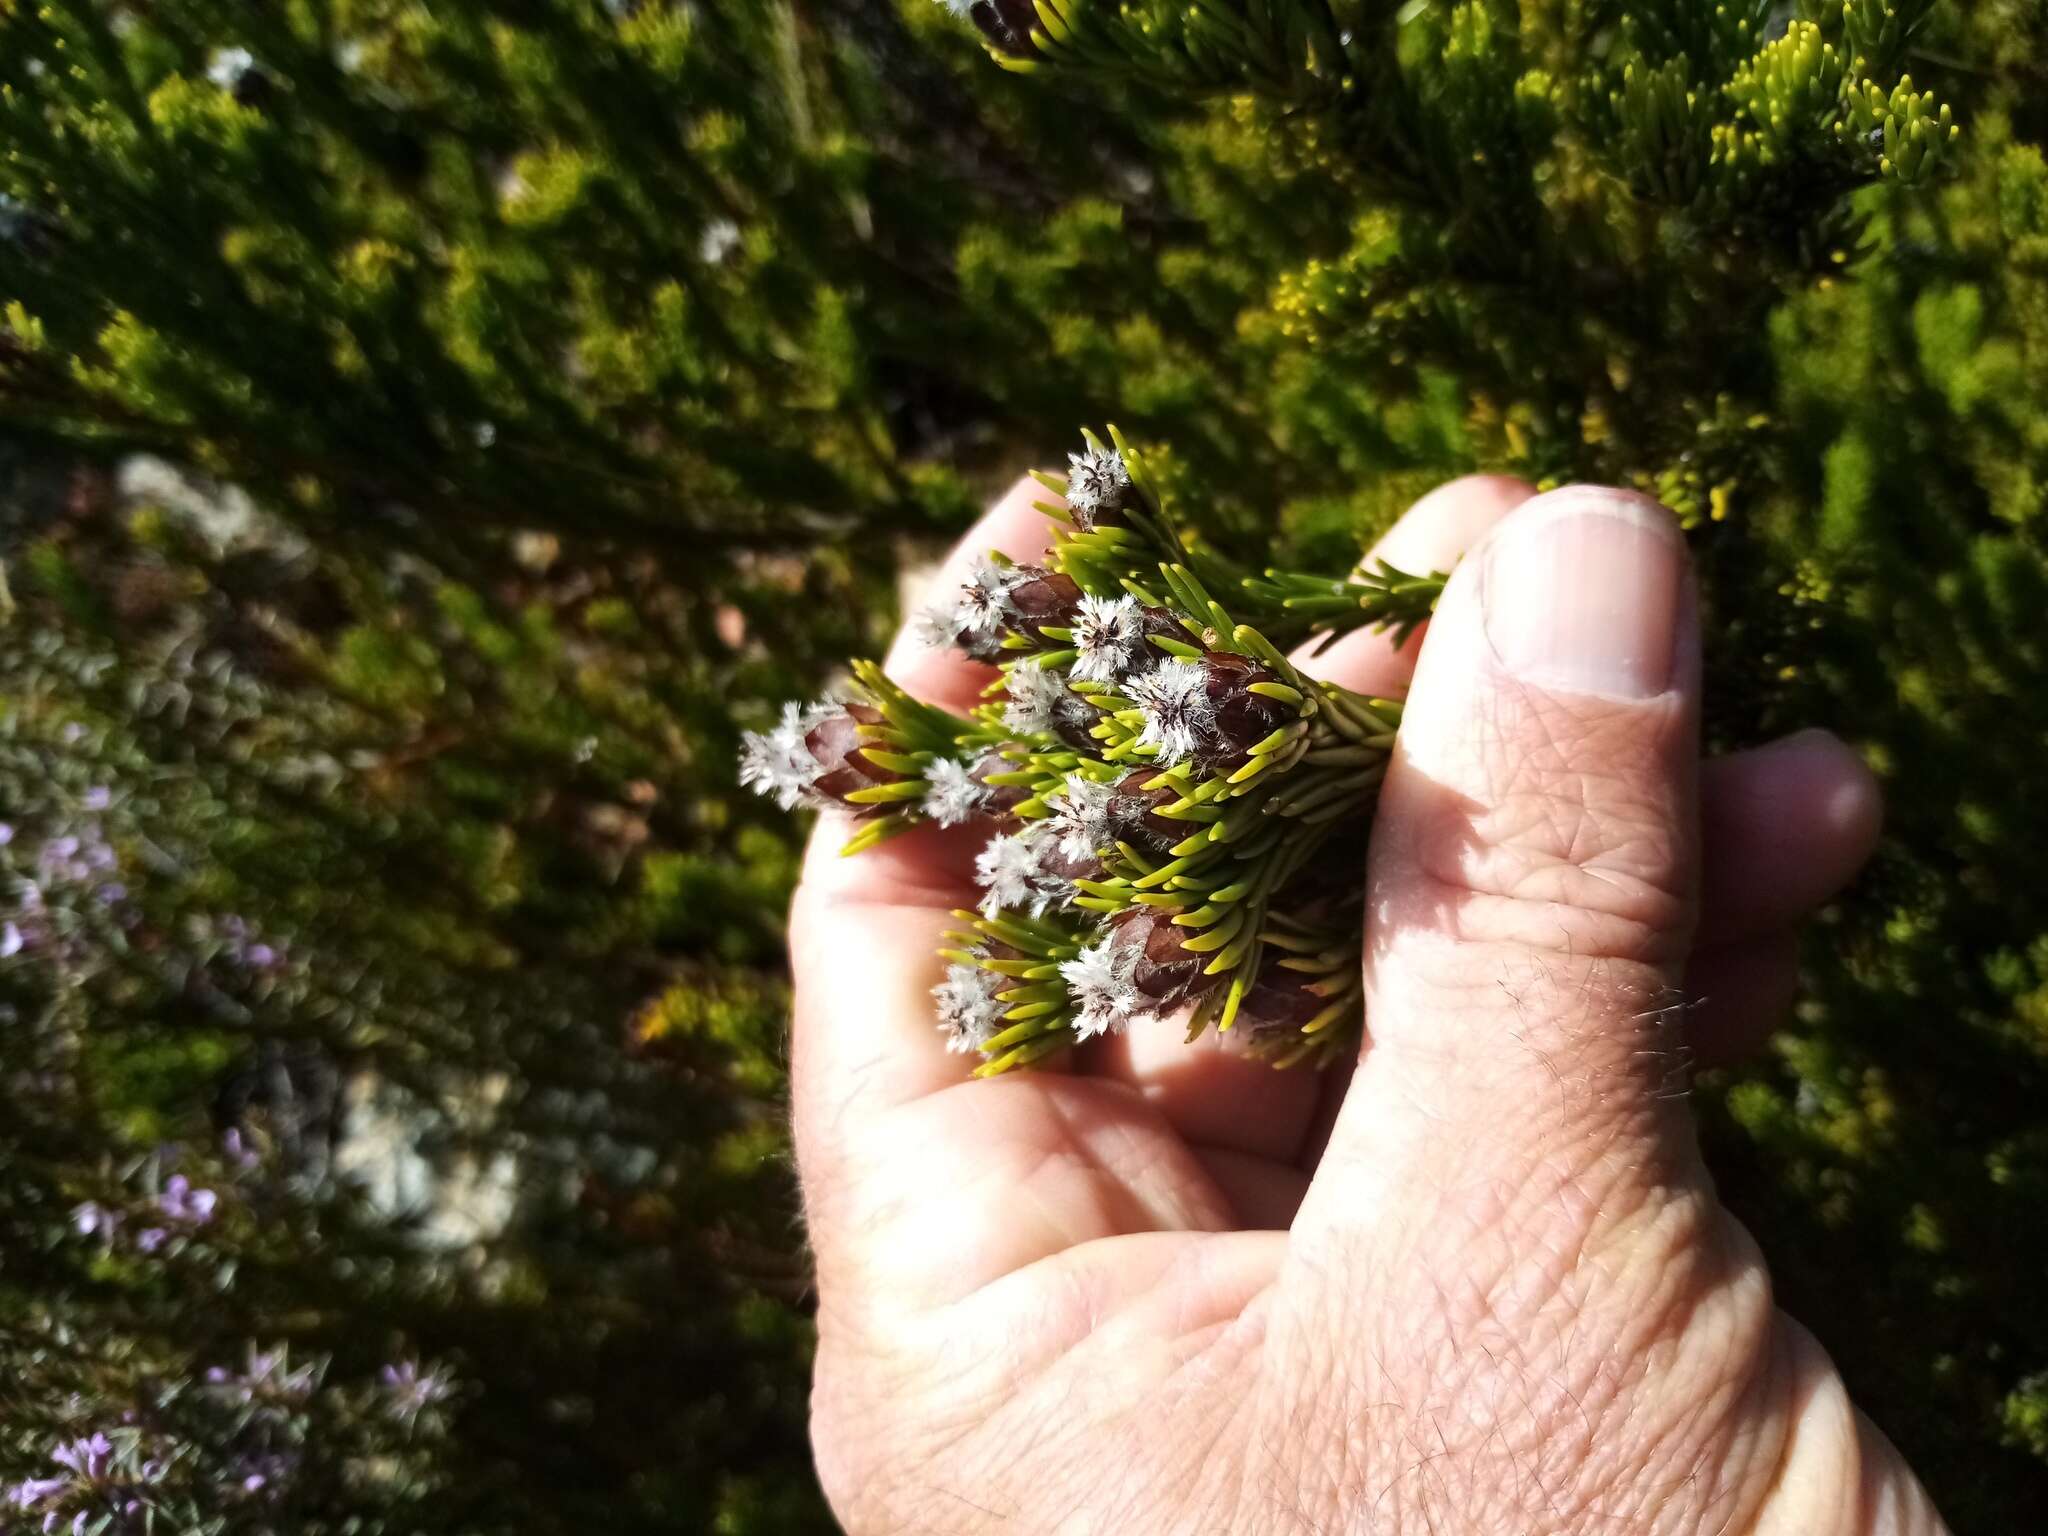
[1581, 593]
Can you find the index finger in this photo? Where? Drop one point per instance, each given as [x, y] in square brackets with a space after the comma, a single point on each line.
[940, 674]
[865, 931]
[1430, 536]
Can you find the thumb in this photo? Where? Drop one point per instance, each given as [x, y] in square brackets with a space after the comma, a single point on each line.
[1510, 1280]
[1533, 866]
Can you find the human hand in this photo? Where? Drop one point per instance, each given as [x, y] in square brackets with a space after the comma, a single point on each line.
[1478, 1283]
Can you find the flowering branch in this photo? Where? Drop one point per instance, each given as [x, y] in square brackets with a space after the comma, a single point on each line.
[1176, 811]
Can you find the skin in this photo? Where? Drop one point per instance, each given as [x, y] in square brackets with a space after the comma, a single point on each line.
[1477, 1281]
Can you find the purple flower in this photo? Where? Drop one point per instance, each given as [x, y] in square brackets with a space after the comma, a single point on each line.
[6, 834]
[92, 1218]
[263, 1471]
[98, 798]
[76, 858]
[149, 1239]
[237, 1151]
[181, 1202]
[268, 1378]
[98, 1477]
[413, 1390]
[89, 1457]
[36, 1490]
[238, 945]
[11, 941]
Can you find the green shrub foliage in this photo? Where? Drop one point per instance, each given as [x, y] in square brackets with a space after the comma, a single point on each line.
[389, 962]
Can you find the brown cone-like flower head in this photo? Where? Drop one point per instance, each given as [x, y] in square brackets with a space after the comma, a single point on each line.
[814, 756]
[835, 745]
[1166, 973]
[998, 601]
[1205, 712]
[1041, 703]
[1065, 864]
[1113, 639]
[1280, 1001]
[1243, 718]
[1099, 488]
[1042, 599]
[1134, 810]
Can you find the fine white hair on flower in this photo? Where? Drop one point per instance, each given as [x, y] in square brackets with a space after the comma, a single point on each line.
[1040, 701]
[952, 794]
[1109, 634]
[1096, 481]
[937, 626]
[983, 606]
[969, 1011]
[1011, 870]
[1100, 981]
[778, 762]
[958, 7]
[1081, 818]
[1174, 698]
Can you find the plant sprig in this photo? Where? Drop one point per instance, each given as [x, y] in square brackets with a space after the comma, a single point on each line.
[1176, 811]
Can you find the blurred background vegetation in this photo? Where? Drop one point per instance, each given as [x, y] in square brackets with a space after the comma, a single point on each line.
[429, 435]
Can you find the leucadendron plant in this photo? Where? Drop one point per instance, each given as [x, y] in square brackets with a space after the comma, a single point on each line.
[1175, 810]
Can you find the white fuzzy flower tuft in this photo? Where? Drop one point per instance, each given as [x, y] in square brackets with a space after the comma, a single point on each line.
[1081, 818]
[1179, 718]
[983, 607]
[1013, 874]
[958, 7]
[778, 762]
[1041, 703]
[1096, 483]
[937, 626]
[1109, 633]
[952, 794]
[1099, 979]
[969, 1011]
